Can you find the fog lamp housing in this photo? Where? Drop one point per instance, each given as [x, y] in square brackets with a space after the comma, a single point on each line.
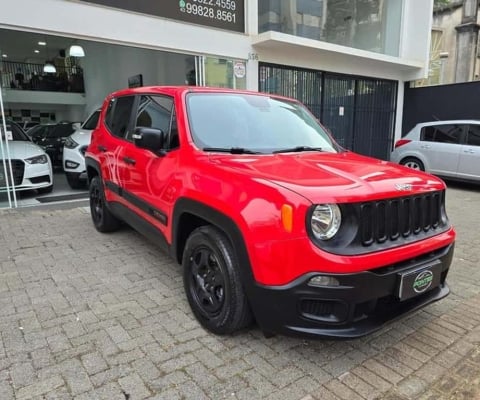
[71, 164]
[323, 281]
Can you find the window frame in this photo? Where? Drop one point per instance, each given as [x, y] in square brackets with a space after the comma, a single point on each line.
[168, 134]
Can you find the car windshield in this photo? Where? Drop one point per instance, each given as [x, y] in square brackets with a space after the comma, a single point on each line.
[243, 123]
[17, 132]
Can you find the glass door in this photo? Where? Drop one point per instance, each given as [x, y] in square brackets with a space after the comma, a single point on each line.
[8, 197]
[221, 72]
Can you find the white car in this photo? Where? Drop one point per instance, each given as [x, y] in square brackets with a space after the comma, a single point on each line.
[450, 149]
[74, 152]
[31, 166]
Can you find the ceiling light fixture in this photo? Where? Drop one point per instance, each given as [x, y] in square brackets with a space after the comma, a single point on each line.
[76, 51]
[49, 66]
[42, 43]
[36, 51]
[4, 56]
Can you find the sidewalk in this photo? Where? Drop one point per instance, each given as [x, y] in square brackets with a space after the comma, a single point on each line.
[91, 316]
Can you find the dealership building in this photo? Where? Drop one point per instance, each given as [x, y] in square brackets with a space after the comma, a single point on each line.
[347, 60]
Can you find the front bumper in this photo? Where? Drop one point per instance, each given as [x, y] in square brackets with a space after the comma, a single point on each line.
[28, 176]
[74, 160]
[363, 302]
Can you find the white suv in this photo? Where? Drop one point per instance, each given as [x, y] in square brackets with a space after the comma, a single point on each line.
[74, 152]
[446, 148]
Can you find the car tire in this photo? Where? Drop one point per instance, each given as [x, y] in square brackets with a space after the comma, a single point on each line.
[74, 180]
[45, 190]
[413, 163]
[212, 282]
[103, 220]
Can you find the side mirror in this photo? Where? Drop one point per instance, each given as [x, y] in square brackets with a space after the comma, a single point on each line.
[76, 125]
[149, 138]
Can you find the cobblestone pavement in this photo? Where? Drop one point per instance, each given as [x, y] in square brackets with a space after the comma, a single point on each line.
[91, 316]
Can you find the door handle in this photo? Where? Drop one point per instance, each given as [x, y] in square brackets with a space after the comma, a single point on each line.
[129, 160]
[425, 146]
[469, 151]
[101, 148]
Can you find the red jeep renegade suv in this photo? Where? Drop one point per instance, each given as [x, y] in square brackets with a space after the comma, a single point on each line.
[270, 219]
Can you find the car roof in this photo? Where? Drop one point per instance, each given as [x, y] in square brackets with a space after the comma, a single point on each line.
[175, 90]
[450, 121]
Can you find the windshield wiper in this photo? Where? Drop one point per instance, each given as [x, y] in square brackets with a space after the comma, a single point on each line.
[298, 149]
[231, 150]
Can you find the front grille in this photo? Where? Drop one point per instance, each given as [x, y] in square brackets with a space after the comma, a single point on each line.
[384, 224]
[391, 219]
[40, 179]
[18, 168]
[83, 149]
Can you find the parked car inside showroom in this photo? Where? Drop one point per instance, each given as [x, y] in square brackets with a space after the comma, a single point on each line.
[449, 149]
[31, 166]
[74, 152]
[51, 137]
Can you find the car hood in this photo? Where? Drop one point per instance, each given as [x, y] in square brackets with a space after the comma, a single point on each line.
[330, 177]
[20, 149]
[82, 136]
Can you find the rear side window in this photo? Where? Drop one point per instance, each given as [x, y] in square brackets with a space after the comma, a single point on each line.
[118, 115]
[451, 133]
[473, 135]
[91, 123]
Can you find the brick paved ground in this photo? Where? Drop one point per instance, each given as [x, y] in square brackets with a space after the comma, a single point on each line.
[91, 316]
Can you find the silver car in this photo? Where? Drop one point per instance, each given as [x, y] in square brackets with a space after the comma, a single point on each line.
[446, 148]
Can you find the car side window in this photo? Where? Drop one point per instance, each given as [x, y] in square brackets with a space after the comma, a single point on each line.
[120, 109]
[156, 112]
[473, 135]
[451, 133]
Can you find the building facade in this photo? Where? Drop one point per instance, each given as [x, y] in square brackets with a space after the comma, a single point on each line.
[347, 60]
[454, 50]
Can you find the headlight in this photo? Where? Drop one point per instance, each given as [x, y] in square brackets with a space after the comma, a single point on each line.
[70, 143]
[37, 159]
[326, 220]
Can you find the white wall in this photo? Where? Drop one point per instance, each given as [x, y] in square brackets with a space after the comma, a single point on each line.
[416, 29]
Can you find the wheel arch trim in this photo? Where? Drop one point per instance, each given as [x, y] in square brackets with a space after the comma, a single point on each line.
[219, 220]
[90, 163]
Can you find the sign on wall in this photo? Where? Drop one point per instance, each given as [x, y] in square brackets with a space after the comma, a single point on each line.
[224, 14]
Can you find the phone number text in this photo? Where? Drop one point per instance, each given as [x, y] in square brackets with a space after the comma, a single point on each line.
[208, 12]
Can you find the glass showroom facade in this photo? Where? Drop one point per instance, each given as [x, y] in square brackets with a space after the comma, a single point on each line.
[346, 59]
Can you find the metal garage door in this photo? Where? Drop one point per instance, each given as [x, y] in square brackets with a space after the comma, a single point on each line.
[360, 112]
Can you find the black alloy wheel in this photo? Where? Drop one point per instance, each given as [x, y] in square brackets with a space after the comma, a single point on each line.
[212, 282]
[208, 283]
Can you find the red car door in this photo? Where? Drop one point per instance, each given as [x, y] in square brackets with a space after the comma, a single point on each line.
[110, 145]
[149, 178]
